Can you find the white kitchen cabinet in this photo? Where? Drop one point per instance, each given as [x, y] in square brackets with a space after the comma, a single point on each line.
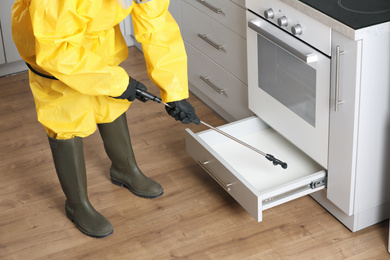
[214, 35]
[215, 40]
[358, 191]
[357, 183]
[346, 66]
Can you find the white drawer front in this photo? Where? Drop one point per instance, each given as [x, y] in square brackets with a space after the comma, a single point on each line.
[216, 41]
[220, 86]
[225, 12]
[248, 177]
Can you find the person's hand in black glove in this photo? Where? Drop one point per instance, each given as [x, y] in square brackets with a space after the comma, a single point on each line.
[130, 93]
[183, 111]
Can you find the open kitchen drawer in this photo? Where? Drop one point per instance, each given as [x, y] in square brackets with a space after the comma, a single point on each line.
[249, 177]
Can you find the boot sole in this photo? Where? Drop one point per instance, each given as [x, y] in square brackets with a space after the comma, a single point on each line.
[122, 184]
[71, 218]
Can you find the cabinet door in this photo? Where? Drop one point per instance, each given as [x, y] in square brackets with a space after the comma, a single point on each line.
[346, 60]
[11, 53]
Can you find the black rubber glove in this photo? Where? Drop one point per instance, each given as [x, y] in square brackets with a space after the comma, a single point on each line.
[183, 111]
[130, 93]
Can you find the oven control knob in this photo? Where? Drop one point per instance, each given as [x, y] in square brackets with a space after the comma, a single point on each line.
[282, 21]
[269, 13]
[296, 29]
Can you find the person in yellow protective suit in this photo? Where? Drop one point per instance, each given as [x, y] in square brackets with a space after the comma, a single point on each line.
[73, 49]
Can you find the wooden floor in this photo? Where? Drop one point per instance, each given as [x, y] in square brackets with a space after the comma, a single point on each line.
[194, 219]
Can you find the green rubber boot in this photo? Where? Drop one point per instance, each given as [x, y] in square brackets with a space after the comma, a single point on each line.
[124, 170]
[69, 162]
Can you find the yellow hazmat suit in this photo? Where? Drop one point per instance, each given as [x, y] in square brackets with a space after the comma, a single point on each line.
[79, 42]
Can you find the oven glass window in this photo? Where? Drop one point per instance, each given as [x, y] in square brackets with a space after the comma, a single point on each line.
[287, 79]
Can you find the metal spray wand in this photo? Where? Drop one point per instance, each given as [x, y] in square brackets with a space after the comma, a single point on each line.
[145, 96]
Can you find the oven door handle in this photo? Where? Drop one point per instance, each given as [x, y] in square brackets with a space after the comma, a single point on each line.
[308, 58]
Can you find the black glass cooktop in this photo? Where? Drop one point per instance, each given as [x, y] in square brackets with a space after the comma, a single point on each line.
[356, 14]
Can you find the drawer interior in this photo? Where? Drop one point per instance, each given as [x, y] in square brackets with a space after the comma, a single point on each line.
[254, 167]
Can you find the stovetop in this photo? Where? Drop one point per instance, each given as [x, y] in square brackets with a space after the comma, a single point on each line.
[356, 14]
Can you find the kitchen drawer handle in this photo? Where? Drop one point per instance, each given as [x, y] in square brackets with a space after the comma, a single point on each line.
[215, 45]
[209, 6]
[307, 58]
[337, 80]
[208, 82]
[217, 179]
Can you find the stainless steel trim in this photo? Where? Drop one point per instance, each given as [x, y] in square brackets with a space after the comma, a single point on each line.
[215, 45]
[208, 82]
[216, 178]
[209, 6]
[337, 102]
[308, 58]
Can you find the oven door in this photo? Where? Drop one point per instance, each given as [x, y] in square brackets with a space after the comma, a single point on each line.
[289, 84]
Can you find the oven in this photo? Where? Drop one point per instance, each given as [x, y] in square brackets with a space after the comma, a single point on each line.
[289, 74]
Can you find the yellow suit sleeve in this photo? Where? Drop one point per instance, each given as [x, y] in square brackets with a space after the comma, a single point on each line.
[60, 33]
[163, 48]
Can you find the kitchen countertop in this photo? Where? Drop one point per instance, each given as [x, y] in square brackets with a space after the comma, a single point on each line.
[338, 26]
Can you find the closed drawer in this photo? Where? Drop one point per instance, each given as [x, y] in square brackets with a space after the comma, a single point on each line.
[247, 176]
[225, 12]
[217, 84]
[216, 41]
